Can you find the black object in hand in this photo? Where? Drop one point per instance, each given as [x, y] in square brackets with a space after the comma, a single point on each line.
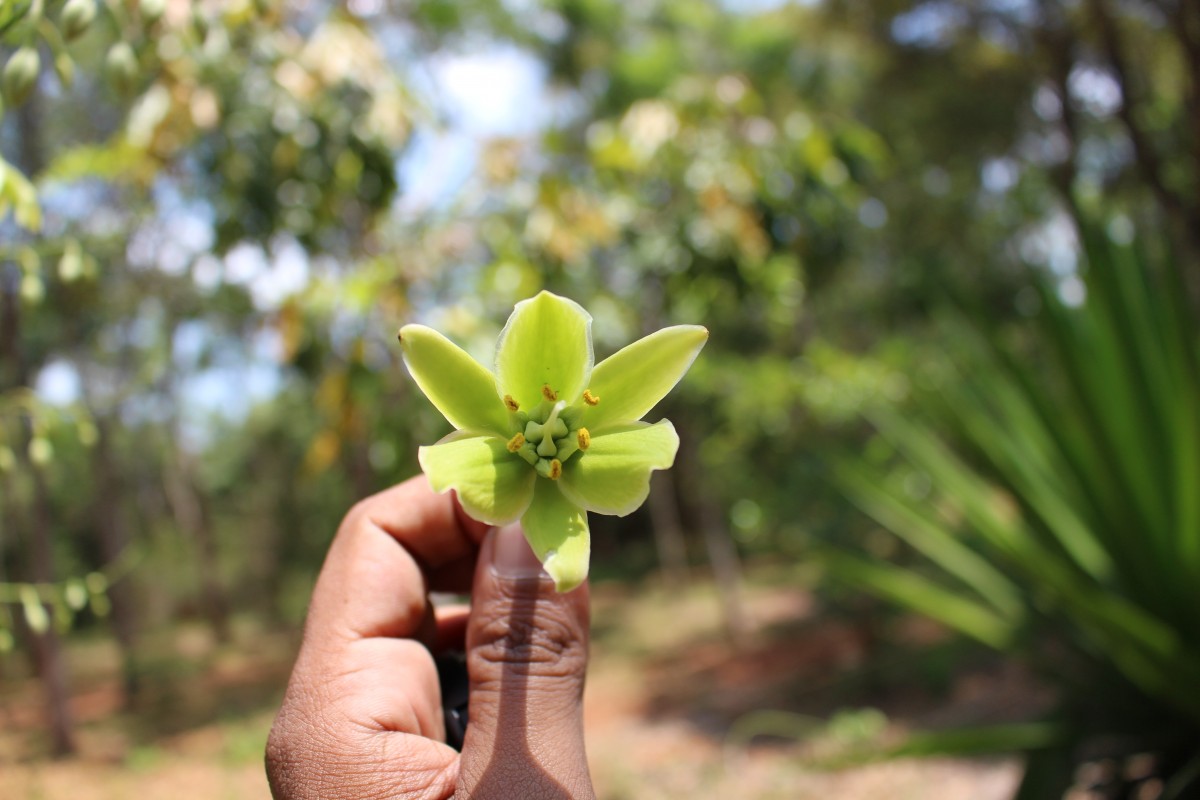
[452, 675]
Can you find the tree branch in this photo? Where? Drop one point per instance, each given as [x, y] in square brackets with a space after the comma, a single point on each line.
[1057, 44]
[1147, 157]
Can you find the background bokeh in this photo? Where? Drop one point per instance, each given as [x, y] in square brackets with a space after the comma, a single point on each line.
[938, 492]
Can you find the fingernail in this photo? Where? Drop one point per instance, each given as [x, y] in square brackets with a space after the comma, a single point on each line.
[512, 557]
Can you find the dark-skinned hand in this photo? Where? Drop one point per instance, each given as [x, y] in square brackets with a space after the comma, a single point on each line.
[362, 716]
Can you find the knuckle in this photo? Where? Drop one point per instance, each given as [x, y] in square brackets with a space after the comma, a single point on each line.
[358, 514]
[534, 635]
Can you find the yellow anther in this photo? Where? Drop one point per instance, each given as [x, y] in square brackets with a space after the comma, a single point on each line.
[549, 393]
[584, 438]
[590, 398]
[513, 405]
[516, 443]
[555, 470]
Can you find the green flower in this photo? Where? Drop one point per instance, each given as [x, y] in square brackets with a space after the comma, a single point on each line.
[547, 438]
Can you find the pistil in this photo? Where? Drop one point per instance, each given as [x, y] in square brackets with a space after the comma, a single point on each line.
[547, 444]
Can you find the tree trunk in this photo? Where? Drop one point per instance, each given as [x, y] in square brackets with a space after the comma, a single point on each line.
[726, 568]
[722, 555]
[113, 534]
[47, 646]
[188, 508]
[668, 530]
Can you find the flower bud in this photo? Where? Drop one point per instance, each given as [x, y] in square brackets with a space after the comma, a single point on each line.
[76, 17]
[21, 74]
[121, 67]
[35, 612]
[41, 452]
[32, 289]
[70, 266]
[152, 10]
[200, 23]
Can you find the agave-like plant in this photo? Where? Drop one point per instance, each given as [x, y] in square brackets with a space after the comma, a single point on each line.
[1063, 524]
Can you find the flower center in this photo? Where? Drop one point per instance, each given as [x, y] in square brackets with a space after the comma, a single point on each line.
[550, 434]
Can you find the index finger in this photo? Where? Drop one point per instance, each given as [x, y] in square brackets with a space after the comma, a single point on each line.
[375, 578]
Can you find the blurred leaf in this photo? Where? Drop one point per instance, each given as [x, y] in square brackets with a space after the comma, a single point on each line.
[1071, 488]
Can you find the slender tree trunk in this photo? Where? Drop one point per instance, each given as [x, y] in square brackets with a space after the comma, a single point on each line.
[188, 508]
[668, 530]
[726, 567]
[47, 646]
[718, 544]
[113, 534]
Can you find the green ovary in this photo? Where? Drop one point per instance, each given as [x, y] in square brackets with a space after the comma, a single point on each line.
[549, 435]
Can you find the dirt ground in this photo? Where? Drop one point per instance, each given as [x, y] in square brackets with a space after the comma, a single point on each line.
[675, 708]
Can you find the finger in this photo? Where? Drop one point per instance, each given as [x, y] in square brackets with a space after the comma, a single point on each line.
[373, 582]
[451, 632]
[362, 714]
[527, 655]
[362, 649]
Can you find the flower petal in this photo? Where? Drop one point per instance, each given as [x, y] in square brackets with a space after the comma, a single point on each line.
[557, 530]
[547, 341]
[493, 485]
[613, 476]
[458, 385]
[631, 381]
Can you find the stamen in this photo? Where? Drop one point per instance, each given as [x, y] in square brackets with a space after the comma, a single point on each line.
[529, 454]
[515, 443]
[590, 398]
[551, 469]
[584, 438]
[513, 405]
[549, 393]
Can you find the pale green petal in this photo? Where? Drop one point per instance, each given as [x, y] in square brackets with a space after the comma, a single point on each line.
[613, 475]
[557, 530]
[458, 385]
[493, 485]
[547, 341]
[631, 381]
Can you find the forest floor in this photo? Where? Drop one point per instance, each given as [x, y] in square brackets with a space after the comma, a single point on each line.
[674, 708]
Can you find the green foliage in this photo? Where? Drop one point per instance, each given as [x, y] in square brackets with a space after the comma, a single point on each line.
[1062, 524]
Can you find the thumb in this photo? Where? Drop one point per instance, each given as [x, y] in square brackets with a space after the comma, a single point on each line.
[527, 648]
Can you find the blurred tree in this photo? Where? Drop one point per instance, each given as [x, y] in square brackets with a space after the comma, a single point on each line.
[1090, 100]
[199, 164]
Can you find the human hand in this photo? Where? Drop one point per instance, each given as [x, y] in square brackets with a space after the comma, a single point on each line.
[362, 716]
